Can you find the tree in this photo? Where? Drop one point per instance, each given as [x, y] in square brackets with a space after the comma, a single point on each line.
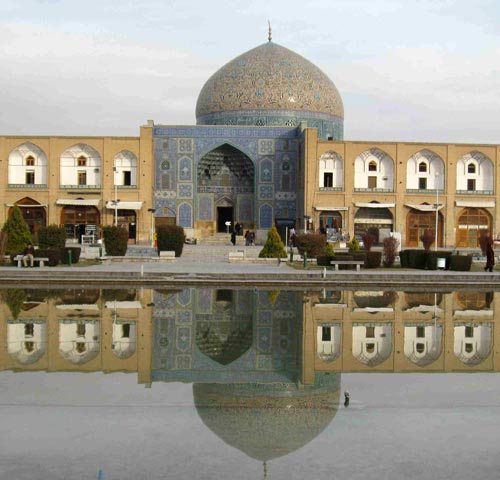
[274, 247]
[18, 232]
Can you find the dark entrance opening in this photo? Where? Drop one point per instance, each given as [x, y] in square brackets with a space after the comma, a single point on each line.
[224, 214]
[284, 225]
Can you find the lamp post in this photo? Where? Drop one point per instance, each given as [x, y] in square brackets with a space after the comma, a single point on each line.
[436, 179]
[152, 211]
[116, 195]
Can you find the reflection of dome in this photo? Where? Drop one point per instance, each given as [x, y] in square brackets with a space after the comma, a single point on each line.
[264, 84]
[267, 421]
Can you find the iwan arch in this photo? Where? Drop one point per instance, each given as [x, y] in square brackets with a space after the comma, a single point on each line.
[267, 149]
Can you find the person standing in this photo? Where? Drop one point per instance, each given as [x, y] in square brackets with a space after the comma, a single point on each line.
[28, 254]
[233, 237]
[490, 255]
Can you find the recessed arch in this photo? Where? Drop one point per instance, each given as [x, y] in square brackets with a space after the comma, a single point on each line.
[27, 166]
[475, 172]
[34, 214]
[80, 166]
[374, 171]
[471, 222]
[331, 170]
[425, 171]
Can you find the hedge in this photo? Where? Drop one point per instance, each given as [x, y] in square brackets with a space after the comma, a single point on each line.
[115, 240]
[51, 237]
[373, 259]
[75, 254]
[460, 263]
[313, 244]
[170, 237]
[53, 254]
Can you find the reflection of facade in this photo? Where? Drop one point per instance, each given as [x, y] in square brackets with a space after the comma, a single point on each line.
[267, 149]
[78, 330]
[399, 332]
[202, 335]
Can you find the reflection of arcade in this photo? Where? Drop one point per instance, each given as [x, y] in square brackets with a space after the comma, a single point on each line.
[197, 335]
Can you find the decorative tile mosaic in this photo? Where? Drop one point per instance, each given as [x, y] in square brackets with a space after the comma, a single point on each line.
[266, 147]
[185, 145]
[265, 216]
[185, 190]
[206, 207]
[291, 196]
[184, 297]
[245, 208]
[269, 76]
[264, 336]
[185, 217]
[183, 338]
[266, 170]
[266, 192]
[185, 169]
[184, 316]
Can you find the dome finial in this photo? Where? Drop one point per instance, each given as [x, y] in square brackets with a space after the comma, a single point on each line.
[270, 34]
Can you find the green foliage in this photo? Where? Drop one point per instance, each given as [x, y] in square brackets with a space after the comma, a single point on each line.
[170, 237]
[353, 245]
[274, 247]
[115, 240]
[329, 251]
[18, 232]
[313, 244]
[14, 299]
[75, 254]
[51, 237]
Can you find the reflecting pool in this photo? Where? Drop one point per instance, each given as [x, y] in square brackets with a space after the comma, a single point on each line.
[218, 383]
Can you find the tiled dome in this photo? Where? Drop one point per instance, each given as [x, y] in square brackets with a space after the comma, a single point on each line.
[268, 78]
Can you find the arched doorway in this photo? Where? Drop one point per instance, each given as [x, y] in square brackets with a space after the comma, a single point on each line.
[34, 214]
[128, 220]
[225, 189]
[471, 222]
[79, 220]
[417, 222]
[374, 219]
[330, 222]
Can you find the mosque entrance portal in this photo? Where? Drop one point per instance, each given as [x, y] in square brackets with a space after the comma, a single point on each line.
[224, 214]
[226, 188]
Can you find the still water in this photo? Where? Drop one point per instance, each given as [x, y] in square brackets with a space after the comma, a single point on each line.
[206, 383]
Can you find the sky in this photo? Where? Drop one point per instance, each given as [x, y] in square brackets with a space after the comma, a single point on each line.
[407, 70]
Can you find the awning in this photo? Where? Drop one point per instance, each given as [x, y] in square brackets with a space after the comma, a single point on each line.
[475, 204]
[83, 306]
[424, 207]
[331, 209]
[130, 304]
[124, 205]
[374, 205]
[78, 201]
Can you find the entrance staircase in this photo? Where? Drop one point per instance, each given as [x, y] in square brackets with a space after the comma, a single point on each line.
[221, 239]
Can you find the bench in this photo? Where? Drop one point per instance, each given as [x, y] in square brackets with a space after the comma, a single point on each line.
[168, 255]
[336, 263]
[236, 256]
[41, 260]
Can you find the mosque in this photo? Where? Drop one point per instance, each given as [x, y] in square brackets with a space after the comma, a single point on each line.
[267, 149]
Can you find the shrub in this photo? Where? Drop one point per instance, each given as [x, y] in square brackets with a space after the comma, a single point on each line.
[329, 251]
[432, 258]
[170, 237]
[418, 259]
[391, 245]
[75, 254]
[373, 259]
[18, 232]
[324, 260]
[51, 237]
[368, 241]
[53, 254]
[427, 239]
[312, 244]
[460, 263]
[274, 247]
[404, 258]
[115, 240]
[353, 245]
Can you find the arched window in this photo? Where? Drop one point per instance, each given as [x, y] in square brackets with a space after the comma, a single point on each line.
[471, 168]
[422, 167]
[372, 166]
[82, 161]
[30, 161]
